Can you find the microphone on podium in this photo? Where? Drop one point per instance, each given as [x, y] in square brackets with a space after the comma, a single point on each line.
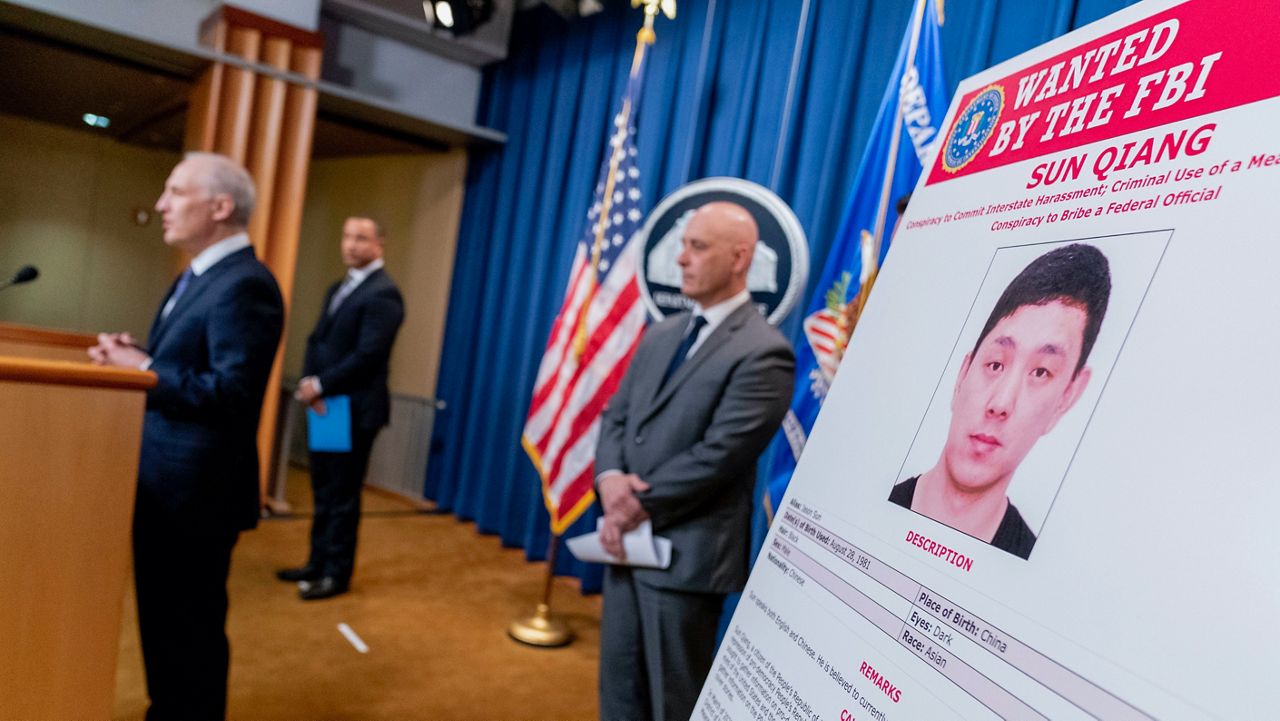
[25, 274]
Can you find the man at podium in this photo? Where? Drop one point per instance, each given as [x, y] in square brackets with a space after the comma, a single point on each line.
[211, 345]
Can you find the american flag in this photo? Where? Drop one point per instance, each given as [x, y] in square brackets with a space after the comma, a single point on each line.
[595, 334]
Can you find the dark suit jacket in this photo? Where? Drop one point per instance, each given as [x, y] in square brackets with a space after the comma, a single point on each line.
[696, 441]
[349, 350]
[213, 355]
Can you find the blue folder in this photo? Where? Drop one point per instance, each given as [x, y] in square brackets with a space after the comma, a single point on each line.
[330, 432]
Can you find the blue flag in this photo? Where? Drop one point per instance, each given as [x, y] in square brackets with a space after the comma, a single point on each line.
[904, 132]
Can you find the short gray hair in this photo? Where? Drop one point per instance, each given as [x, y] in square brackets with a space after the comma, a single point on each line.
[227, 176]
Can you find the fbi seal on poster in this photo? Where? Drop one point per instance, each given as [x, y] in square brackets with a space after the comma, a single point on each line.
[973, 128]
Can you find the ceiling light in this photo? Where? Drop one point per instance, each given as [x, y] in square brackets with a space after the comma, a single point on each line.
[96, 121]
[444, 13]
[458, 17]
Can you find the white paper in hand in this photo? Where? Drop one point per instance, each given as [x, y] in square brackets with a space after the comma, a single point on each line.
[643, 549]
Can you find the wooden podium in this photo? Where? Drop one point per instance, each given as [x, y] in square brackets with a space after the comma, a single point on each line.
[70, 434]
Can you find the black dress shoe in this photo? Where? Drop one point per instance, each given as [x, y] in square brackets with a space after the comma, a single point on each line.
[301, 573]
[326, 587]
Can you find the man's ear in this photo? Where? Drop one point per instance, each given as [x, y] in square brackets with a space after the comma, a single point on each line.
[223, 207]
[1070, 395]
[742, 255]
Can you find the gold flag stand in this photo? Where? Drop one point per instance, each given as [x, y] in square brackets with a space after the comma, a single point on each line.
[542, 629]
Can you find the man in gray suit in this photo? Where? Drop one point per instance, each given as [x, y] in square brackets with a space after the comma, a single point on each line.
[678, 446]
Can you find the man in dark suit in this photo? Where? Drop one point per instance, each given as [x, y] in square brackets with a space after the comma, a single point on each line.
[211, 347]
[347, 354]
[678, 446]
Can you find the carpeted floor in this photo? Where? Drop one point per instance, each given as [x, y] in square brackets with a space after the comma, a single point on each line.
[431, 599]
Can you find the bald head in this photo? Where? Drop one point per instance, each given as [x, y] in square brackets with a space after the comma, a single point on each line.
[716, 252]
[730, 221]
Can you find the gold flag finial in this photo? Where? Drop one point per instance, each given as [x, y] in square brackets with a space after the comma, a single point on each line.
[651, 10]
[652, 7]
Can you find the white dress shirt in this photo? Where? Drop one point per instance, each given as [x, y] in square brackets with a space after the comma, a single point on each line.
[716, 315]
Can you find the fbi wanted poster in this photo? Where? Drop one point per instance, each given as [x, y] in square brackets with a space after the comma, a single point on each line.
[1044, 484]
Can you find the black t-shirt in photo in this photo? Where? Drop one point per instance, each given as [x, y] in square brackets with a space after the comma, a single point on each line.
[1013, 534]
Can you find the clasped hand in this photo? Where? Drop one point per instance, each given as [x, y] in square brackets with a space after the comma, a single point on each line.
[119, 350]
[622, 510]
[309, 393]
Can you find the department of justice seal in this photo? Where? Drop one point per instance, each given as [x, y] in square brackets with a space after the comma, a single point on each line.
[973, 128]
[778, 270]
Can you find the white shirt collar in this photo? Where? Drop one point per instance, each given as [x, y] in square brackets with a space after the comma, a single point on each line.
[716, 314]
[219, 250]
[358, 275]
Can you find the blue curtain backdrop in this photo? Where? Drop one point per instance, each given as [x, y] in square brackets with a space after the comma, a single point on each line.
[780, 92]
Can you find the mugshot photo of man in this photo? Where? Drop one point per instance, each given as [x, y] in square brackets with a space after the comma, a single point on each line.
[1027, 369]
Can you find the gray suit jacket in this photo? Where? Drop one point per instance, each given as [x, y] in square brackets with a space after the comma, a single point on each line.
[697, 439]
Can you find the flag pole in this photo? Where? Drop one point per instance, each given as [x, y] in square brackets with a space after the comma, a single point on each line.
[542, 628]
[882, 208]
[872, 242]
[644, 38]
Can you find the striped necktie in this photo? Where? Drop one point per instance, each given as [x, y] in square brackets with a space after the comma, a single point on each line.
[344, 290]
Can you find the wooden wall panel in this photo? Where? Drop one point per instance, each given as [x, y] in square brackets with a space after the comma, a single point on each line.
[236, 104]
[264, 120]
[264, 140]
